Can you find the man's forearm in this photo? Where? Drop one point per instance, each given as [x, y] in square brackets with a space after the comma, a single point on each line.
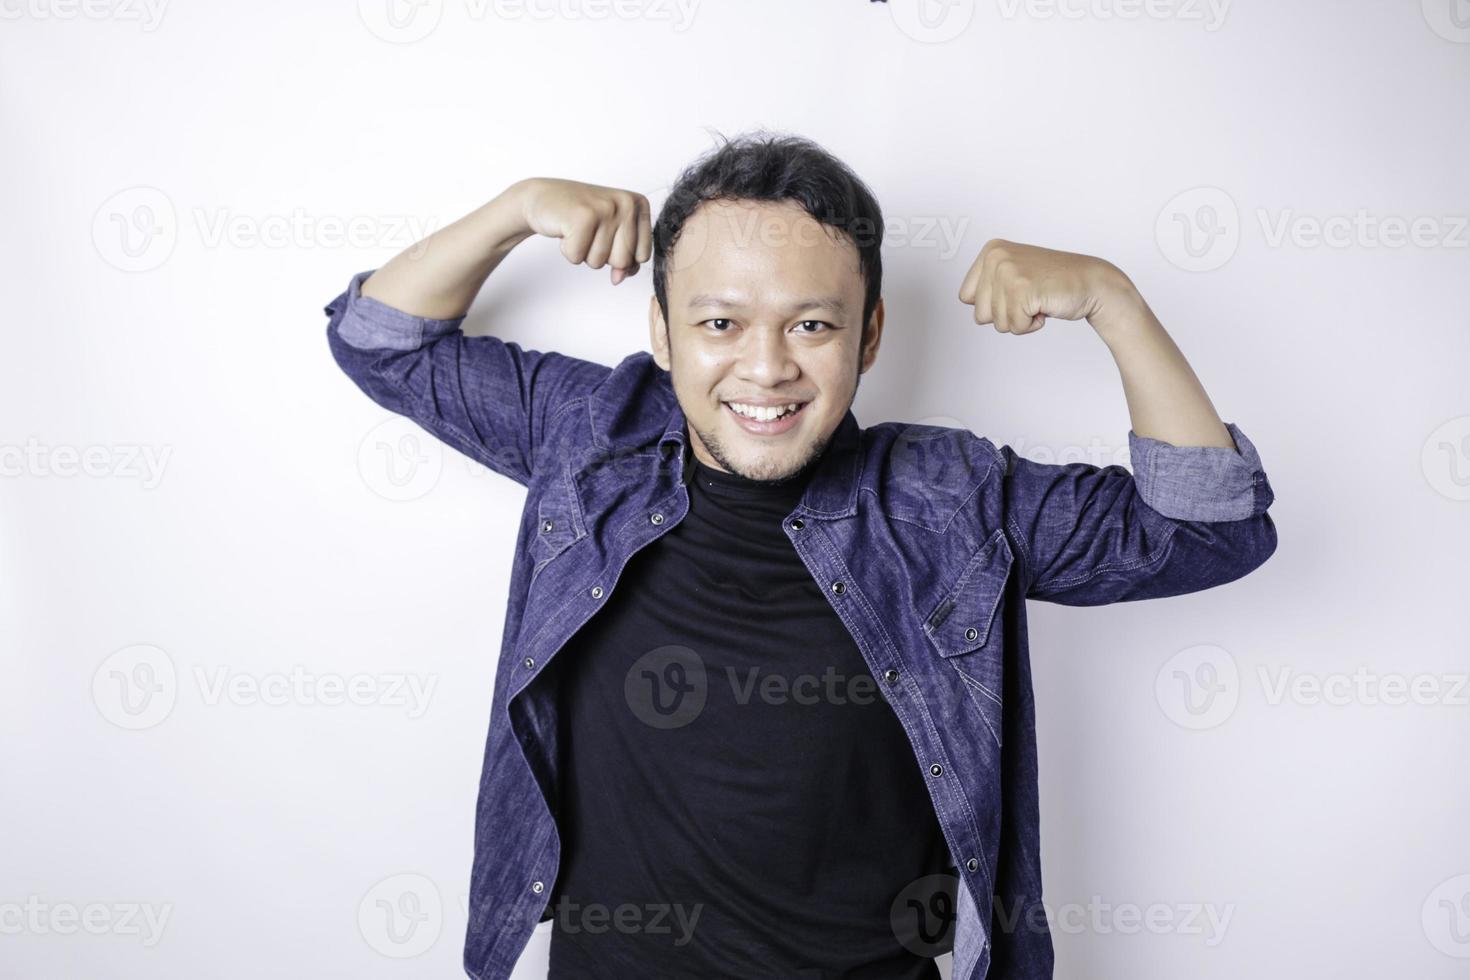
[440, 276]
[1165, 399]
[1016, 287]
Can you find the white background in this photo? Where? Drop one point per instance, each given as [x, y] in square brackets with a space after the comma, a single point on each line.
[174, 185]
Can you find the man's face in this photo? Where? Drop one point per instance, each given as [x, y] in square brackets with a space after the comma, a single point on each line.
[765, 310]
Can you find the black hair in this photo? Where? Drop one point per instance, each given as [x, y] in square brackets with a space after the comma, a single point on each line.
[765, 166]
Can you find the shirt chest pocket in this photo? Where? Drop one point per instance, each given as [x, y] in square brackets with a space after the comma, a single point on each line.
[959, 625]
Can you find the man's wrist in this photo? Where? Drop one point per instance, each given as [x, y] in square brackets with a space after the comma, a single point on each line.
[502, 220]
[1122, 314]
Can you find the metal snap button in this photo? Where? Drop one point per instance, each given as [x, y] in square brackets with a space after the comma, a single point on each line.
[798, 524]
[657, 518]
[546, 525]
[839, 587]
[597, 592]
[529, 663]
[890, 675]
[971, 864]
[537, 887]
[935, 769]
[971, 633]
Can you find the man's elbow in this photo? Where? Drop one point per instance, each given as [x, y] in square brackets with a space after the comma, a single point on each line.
[1238, 547]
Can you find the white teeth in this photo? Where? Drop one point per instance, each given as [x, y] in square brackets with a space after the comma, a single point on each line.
[761, 413]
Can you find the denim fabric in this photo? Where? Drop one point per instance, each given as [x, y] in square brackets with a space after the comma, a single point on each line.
[926, 540]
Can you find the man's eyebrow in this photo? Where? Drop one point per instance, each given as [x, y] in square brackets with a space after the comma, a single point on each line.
[833, 304]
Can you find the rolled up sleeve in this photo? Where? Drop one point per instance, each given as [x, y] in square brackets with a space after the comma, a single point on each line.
[369, 324]
[1200, 483]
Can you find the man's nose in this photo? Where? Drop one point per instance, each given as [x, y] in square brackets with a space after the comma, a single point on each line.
[765, 356]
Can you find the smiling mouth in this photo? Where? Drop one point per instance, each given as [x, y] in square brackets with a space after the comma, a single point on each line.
[765, 424]
[755, 413]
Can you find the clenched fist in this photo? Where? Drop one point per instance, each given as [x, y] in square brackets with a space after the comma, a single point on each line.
[1016, 287]
[597, 225]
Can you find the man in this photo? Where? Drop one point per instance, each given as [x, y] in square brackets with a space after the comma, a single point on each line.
[763, 705]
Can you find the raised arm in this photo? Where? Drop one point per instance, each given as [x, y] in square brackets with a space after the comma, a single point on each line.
[440, 276]
[1191, 515]
[396, 331]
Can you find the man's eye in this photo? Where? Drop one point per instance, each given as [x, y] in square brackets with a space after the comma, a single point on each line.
[726, 320]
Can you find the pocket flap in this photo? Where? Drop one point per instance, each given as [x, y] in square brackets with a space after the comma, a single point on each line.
[961, 621]
[558, 522]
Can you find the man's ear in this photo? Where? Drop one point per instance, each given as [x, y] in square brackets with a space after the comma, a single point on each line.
[872, 338]
[658, 333]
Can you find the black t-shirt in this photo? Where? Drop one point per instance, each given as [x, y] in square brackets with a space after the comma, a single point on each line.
[731, 774]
